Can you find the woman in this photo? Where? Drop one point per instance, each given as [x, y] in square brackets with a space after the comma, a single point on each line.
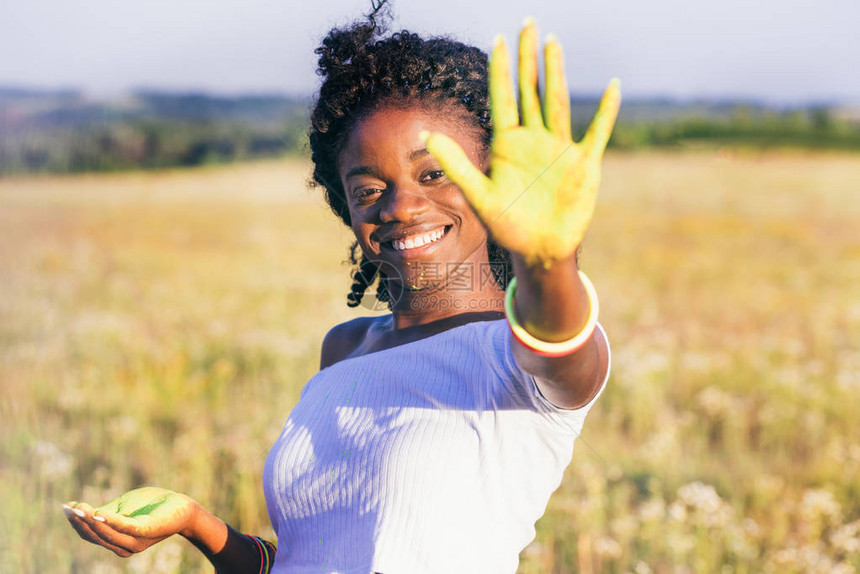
[432, 437]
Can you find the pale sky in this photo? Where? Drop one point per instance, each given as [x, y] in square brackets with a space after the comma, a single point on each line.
[780, 51]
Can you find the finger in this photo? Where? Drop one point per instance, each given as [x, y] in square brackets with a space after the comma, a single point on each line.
[503, 105]
[528, 75]
[82, 509]
[148, 526]
[598, 133]
[459, 169]
[70, 510]
[126, 524]
[85, 528]
[104, 543]
[85, 532]
[114, 537]
[77, 522]
[556, 96]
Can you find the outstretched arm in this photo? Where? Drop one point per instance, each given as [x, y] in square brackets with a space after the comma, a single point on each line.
[538, 203]
[145, 516]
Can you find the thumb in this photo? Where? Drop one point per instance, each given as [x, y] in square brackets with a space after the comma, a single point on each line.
[598, 133]
[457, 166]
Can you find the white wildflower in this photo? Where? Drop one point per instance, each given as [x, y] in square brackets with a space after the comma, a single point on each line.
[652, 510]
[51, 463]
[662, 444]
[607, 547]
[680, 543]
[714, 402]
[809, 559]
[678, 512]
[624, 526]
[751, 528]
[848, 369]
[819, 503]
[741, 543]
[700, 496]
[124, 427]
[706, 503]
[846, 538]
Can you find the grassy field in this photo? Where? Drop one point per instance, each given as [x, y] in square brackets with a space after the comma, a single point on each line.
[156, 328]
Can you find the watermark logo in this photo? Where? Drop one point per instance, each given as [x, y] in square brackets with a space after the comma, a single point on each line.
[438, 285]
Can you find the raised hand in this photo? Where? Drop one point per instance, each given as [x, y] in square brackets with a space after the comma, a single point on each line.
[539, 198]
[134, 521]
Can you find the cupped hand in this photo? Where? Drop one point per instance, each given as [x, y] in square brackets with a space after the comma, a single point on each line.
[134, 521]
[540, 196]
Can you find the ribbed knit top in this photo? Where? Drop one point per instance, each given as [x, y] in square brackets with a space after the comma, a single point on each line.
[436, 456]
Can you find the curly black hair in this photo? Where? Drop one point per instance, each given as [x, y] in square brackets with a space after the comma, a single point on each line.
[362, 69]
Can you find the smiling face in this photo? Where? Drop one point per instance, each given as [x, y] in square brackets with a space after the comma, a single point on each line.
[406, 214]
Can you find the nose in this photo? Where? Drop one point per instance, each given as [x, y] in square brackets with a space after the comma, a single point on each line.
[403, 203]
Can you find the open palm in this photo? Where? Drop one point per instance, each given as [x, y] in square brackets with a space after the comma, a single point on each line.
[539, 198]
[133, 521]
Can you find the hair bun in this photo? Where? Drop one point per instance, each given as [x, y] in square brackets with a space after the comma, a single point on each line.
[341, 45]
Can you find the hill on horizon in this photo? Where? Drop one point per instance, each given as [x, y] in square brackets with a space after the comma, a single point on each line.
[68, 130]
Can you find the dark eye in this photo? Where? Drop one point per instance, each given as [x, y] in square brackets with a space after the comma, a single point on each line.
[365, 194]
[433, 175]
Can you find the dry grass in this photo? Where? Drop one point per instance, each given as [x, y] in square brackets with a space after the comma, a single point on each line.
[157, 327]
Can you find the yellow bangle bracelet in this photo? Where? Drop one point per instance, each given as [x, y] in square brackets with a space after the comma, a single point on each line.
[545, 348]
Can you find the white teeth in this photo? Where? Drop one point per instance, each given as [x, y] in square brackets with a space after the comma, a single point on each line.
[418, 241]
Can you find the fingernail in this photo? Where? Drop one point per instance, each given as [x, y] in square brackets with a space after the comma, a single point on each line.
[67, 510]
[99, 518]
[550, 38]
[424, 135]
[499, 40]
[528, 21]
[80, 513]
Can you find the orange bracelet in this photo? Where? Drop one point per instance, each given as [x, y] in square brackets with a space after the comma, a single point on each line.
[545, 348]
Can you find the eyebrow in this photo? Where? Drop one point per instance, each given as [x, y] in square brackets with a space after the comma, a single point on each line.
[367, 170]
[418, 153]
[360, 170]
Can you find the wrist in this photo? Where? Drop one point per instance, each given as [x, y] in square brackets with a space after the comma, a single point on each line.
[523, 266]
[191, 527]
[551, 303]
[205, 530]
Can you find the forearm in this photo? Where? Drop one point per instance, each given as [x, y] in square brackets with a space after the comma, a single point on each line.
[229, 551]
[552, 304]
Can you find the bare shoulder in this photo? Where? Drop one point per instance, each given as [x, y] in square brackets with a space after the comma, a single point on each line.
[343, 339]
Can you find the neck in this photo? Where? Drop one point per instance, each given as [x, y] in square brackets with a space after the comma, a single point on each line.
[484, 300]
